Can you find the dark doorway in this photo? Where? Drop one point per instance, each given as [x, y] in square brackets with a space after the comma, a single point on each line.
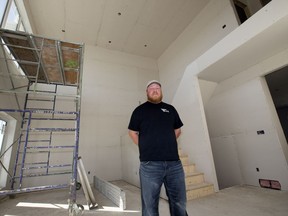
[278, 86]
[245, 9]
[264, 2]
[242, 11]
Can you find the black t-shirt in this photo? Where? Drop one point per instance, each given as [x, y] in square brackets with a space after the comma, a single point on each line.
[156, 124]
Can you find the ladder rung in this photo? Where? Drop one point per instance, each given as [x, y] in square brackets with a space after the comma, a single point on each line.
[42, 91]
[30, 108]
[33, 152]
[43, 167]
[52, 129]
[33, 163]
[31, 141]
[58, 119]
[49, 147]
[44, 174]
[48, 100]
[49, 129]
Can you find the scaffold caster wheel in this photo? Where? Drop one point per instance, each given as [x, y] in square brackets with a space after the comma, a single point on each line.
[76, 210]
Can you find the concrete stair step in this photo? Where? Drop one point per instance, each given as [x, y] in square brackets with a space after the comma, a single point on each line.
[189, 169]
[194, 178]
[199, 190]
[184, 159]
[196, 186]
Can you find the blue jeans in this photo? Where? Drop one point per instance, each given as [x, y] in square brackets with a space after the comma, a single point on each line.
[152, 175]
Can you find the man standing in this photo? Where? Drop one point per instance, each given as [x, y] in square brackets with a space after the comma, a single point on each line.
[155, 126]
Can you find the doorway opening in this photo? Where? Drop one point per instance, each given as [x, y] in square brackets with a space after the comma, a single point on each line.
[278, 85]
[242, 11]
[245, 9]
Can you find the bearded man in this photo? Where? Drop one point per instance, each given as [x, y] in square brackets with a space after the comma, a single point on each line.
[155, 126]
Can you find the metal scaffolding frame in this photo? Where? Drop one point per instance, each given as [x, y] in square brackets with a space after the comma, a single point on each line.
[46, 65]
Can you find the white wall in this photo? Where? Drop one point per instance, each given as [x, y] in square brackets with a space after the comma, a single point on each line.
[130, 161]
[243, 105]
[113, 85]
[238, 149]
[184, 92]
[202, 33]
[195, 138]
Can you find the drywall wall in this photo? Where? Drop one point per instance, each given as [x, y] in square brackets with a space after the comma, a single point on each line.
[183, 96]
[236, 119]
[194, 139]
[130, 161]
[243, 105]
[212, 24]
[113, 85]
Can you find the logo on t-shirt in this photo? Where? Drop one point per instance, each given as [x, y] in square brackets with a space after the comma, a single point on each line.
[165, 110]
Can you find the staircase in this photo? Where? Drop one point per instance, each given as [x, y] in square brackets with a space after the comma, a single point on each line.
[195, 182]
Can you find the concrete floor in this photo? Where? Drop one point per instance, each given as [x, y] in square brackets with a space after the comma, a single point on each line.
[234, 201]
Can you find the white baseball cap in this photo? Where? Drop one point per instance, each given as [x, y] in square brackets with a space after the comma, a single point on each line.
[153, 81]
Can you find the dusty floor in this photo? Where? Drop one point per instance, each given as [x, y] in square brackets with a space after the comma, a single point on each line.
[234, 201]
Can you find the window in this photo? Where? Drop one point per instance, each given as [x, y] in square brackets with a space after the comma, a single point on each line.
[3, 5]
[21, 27]
[2, 132]
[7, 131]
[12, 18]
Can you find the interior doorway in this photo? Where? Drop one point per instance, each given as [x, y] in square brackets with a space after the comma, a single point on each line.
[244, 9]
[278, 86]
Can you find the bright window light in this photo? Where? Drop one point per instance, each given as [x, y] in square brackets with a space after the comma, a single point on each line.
[115, 209]
[42, 205]
[3, 4]
[13, 17]
[66, 206]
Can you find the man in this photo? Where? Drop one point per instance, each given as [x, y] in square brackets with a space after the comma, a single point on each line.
[155, 126]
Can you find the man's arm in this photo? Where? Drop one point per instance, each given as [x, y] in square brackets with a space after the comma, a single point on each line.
[177, 132]
[134, 136]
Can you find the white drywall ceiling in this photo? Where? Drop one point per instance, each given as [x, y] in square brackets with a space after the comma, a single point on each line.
[140, 27]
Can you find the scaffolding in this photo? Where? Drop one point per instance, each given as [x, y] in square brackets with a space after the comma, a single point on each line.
[46, 89]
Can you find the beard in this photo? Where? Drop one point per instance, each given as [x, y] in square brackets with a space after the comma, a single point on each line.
[155, 99]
